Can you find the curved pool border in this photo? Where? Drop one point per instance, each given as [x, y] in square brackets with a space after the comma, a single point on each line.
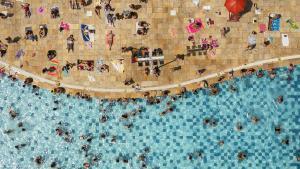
[18, 71]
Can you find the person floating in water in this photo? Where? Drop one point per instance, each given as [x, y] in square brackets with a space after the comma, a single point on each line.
[254, 119]
[13, 114]
[239, 126]
[39, 160]
[279, 99]
[277, 129]
[241, 156]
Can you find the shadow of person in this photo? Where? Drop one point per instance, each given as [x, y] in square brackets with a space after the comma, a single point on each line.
[248, 7]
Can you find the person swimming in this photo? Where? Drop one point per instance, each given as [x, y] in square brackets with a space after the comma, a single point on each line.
[278, 129]
[206, 121]
[239, 126]
[53, 164]
[221, 142]
[241, 156]
[114, 139]
[18, 147]
[285, 141]
[86, 165]
[279, 99]
[254, 119]
[103, 118]
[59, 131]
[8, 131]
[103, 135]
[13, 114]
[39, 160]
[20, 124]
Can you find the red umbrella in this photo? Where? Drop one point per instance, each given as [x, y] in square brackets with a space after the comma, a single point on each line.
[235, 6]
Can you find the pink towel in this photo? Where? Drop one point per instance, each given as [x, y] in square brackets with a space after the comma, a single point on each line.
[262, 28]
[41, 10]
[191, 28]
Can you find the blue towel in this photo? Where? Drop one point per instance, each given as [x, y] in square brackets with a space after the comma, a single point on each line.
[84, 27]
[275, 25]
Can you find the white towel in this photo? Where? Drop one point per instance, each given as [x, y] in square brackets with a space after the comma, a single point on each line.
[285, 40]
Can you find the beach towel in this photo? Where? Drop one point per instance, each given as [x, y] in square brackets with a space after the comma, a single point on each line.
[118, 65]
[85, 32]
[85, 65]
[54, 63]
[262, 28]
[196, 26]
[41, 10]
[292, 24]
[99, 64]
[285, 40]
[64, 25]
[274, 22]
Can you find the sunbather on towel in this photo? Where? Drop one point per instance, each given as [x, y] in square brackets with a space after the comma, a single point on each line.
[110, 39]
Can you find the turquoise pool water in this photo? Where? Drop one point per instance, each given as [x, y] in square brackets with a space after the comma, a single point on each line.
[155, 141]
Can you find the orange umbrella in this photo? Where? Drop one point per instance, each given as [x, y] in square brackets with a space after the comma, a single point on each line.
[235, 6]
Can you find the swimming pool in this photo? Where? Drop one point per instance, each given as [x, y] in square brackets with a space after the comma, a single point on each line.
[178, 139]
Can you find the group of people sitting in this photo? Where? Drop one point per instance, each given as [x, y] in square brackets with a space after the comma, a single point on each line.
[142, 27]
[55, 12]
[30, 36]
[111, 17]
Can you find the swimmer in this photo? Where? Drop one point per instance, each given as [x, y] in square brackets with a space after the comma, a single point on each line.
[8, 131]
[163, 113]
[86, 165]
[125, 116]
[291, 67]
[214, 91]
[232, 88]
[89, 139]
[18, 147]
[128, 125]
[102, 135]
[147, 149]
[82, 137]
[279, 99]
[142, 157]
[221, 143]
[59, 131]
[39, 160]
[13, 114]
[85, 147]
[241, 156]
[260, 74]
[114, 139]
[239, 126]
[254, 119]
[103, 118]
[198, 154]
[20, 124]
[53, 164]
[285, 141]
[206, 121]
[213, 123]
